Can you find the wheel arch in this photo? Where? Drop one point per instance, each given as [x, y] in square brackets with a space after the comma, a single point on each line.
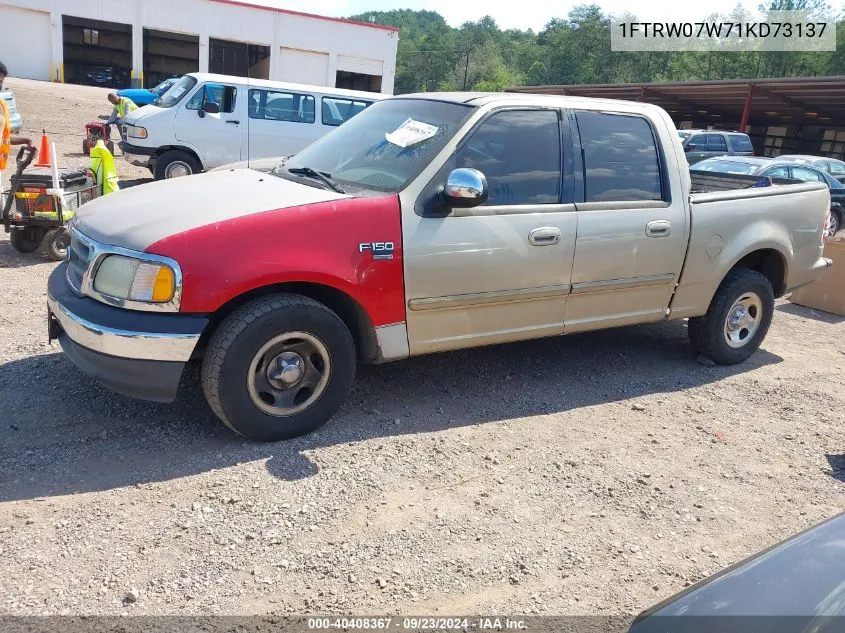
[350, 311]
[162, 150]
[769, 262]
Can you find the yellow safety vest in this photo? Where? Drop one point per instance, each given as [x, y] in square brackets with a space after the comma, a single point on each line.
[125, 106]
[6, 140]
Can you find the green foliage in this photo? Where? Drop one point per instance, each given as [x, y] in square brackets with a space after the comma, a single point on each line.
[575, 50]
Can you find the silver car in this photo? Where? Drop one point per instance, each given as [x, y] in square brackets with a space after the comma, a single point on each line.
[14, 115]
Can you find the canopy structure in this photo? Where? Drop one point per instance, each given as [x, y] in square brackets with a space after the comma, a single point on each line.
[730, 103]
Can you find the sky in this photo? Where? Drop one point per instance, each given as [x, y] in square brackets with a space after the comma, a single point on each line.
[509, 14]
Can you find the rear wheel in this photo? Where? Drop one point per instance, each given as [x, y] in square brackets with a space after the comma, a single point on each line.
[55, 244]
[738, 318]
[27, 239]
[278, 367]
[175, 164]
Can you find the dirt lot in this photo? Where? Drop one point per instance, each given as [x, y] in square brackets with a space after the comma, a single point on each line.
[589, 474]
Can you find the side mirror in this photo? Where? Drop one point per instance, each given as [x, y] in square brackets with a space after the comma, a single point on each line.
[690, 147]
[210, 107]
[465, 188]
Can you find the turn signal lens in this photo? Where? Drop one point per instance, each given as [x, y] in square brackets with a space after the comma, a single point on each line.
[164, 285]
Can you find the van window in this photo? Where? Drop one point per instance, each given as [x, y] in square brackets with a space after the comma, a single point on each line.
[335, 111]
[274, 105]
[224, 96]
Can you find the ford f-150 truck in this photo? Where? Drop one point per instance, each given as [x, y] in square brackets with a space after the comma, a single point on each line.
[426, 223]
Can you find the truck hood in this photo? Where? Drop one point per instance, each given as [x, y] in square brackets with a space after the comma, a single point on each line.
[137, 217]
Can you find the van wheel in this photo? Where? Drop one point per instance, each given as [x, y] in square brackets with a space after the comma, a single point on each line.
[175, 164]
[278, 367]
[738, 318]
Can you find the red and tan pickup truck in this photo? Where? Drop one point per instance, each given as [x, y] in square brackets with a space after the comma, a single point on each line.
[427, 223]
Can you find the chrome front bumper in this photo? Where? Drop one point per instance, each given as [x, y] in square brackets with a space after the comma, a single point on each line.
[161, 346]
[137, 354]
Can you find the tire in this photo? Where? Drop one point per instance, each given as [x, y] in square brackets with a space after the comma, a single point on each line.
[724, 322]
[249, 343]
[835, 222]
[26, 240]
[176, 163]
[55, 244]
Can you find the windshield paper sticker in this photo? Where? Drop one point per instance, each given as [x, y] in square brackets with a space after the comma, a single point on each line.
[410, 133]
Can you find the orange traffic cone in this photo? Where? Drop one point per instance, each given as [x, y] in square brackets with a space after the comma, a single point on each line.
[44, 152]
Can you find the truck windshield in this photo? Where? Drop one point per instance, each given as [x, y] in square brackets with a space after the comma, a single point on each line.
[385, 146]
[175, 93]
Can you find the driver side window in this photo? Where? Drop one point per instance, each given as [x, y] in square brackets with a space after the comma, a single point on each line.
[519, 153]
[223, 96]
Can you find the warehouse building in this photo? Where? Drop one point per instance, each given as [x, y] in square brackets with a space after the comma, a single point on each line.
[141, 42]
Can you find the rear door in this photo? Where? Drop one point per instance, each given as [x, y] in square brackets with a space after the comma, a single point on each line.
[217, 136]
[632, 230]
[281, 122]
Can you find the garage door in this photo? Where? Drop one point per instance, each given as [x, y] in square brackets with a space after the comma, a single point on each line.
[304, 67]
[25, 42]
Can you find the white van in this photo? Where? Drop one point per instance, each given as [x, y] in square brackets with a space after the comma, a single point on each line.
[204, 121]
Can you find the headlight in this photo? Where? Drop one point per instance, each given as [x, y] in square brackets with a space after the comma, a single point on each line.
[136, 131]
[135, 280]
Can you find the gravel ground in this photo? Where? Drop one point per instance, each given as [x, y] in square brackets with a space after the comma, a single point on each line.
[591, 474]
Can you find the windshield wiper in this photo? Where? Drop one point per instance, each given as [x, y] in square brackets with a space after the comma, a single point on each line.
[319, 175]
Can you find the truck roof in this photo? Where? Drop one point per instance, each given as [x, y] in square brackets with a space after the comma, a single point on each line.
[268, 83]
[483, 98]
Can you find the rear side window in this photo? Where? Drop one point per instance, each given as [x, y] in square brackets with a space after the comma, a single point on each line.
[335, 111]
[806, 174]
[716, 143]
[620, 158]
[224, 96]
[274, 105]
[740, 143]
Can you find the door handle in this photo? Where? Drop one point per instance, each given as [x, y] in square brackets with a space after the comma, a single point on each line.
[233, 121]
[658, 228]
[544, 236]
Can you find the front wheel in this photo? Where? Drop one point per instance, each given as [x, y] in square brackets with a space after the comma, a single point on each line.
[278, 367]
[175, 164]
[738, 318]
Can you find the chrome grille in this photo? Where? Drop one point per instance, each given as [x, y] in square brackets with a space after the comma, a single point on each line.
[79, 255]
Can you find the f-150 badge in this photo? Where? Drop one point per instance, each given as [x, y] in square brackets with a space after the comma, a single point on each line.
[380, 250]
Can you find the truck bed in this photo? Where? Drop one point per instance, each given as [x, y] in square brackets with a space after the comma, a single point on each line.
[707, 181]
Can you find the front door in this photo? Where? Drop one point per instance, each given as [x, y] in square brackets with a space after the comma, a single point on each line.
[632, 230]
[217, 136]
[500, 271]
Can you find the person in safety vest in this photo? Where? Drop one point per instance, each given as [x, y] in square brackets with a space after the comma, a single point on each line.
[122, 107]
[6, 137]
